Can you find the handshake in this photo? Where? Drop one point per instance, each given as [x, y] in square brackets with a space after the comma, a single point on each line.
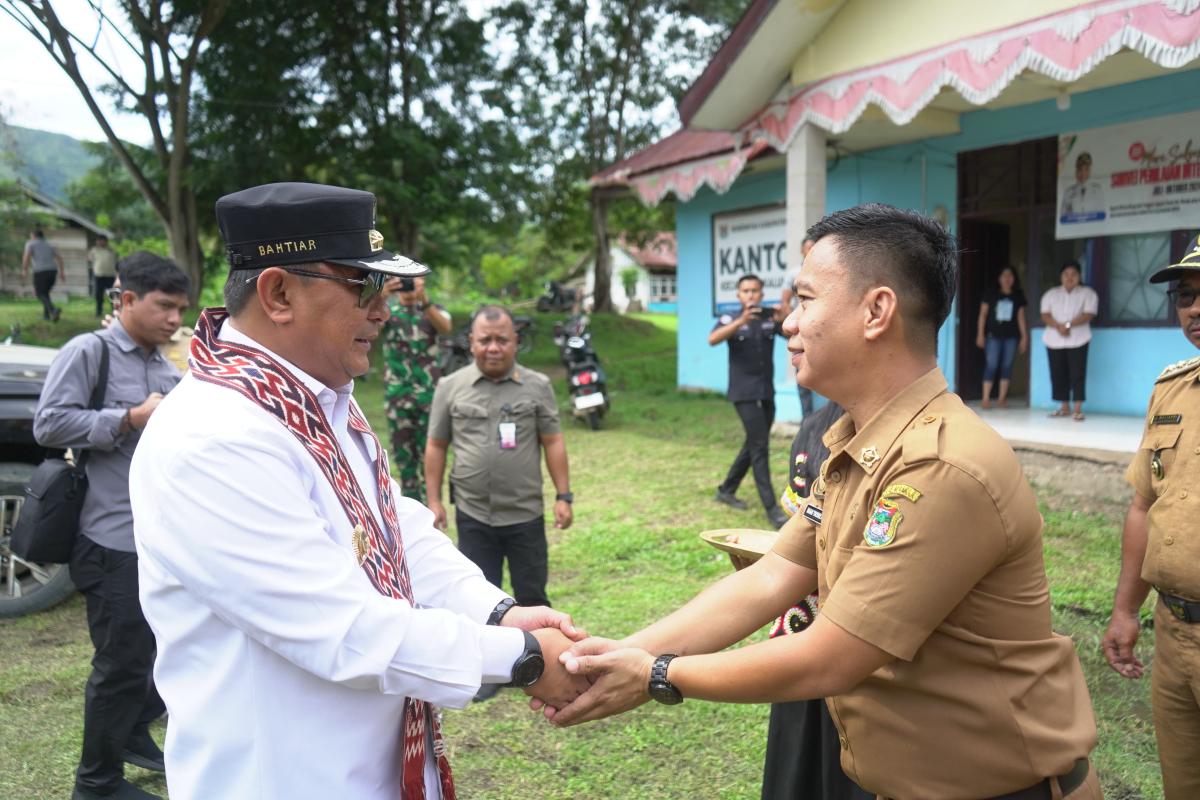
[585, 678]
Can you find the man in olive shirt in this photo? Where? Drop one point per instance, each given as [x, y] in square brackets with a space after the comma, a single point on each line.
[933, 645]
[498, 415]
[1160, 548]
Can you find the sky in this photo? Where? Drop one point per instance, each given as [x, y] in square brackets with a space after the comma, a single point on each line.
[36, 93]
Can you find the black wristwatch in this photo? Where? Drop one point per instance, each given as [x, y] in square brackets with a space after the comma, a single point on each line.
[566, 497]
[500, 610]
[529, 665]
[662, 689]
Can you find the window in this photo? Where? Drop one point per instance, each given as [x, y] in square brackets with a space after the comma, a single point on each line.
[1133, 259]
[662, 287]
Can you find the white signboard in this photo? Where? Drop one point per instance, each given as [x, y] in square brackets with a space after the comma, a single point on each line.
[752, 242]
[1139, 177]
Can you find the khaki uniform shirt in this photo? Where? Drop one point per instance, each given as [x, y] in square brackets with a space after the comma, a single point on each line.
[927, 544]
[494, 485]
[1166, 470]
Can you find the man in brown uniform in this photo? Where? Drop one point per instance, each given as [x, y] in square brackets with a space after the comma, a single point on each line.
[1160, 548]
[934, 645]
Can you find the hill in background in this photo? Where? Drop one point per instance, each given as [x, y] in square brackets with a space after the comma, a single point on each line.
[47, 160]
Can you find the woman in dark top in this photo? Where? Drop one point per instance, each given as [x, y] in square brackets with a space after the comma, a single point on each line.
[1002, 333]
[803, 760]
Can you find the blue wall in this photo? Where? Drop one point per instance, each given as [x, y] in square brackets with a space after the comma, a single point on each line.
[1122, 361]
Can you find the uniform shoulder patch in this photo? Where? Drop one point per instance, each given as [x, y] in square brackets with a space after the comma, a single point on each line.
[902, 490]
[883, 525]
[1178, 368]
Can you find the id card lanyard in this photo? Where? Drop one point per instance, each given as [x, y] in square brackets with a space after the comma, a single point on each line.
[508, 429]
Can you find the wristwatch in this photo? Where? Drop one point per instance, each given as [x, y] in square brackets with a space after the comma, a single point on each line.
[500, 610]
[1068, 326]
[566, 497]
[662, 689]
[529, 665]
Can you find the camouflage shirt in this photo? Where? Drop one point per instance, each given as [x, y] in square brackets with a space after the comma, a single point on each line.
[410, 351]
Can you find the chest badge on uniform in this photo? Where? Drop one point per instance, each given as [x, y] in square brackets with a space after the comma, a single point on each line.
[1167, 419]
[883, 525]
[1156, 466]
[813, 514]
[360, 543]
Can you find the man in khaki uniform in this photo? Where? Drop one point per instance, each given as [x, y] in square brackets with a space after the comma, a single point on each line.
[1160, 549]
[499, 415]
[934, 645]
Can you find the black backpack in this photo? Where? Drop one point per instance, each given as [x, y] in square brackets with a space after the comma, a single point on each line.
[46, 528]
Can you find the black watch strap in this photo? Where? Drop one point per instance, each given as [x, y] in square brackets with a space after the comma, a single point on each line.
[500, 610]
[660, 688]
[566, 497]
[527, 669]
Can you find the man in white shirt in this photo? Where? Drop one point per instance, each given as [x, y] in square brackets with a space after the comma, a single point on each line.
[1067, 310]
[1083, 201]
[307, 615]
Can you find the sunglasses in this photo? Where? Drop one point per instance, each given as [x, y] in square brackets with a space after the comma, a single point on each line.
[1183, 296]
[369, 286]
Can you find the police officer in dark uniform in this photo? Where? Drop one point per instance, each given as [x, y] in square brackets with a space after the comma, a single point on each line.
[751, 336]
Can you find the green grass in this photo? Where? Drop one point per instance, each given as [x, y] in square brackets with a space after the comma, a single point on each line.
[644, 489]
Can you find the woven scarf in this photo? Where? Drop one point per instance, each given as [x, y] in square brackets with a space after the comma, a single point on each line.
[265, 382]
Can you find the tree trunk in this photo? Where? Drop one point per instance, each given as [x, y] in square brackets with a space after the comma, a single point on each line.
[601, 295]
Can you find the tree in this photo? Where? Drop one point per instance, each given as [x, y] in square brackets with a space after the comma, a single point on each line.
[167, 39]
[592, 79]
[108, 195]
[404, 102]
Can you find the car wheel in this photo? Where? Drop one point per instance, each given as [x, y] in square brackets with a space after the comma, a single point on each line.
[25, 588]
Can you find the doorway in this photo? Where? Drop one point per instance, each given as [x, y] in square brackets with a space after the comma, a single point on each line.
[1005, 201]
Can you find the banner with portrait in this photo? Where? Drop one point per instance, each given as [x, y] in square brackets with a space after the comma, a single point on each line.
[1138, 177]
[748, 242]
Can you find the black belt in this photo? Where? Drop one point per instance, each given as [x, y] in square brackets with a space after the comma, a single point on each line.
[1044, 790]
[1182, 610]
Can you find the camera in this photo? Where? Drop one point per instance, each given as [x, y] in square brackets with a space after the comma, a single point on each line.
[408, 284]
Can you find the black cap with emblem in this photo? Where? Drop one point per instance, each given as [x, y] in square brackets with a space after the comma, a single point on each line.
[294, 223]
[1188, 265]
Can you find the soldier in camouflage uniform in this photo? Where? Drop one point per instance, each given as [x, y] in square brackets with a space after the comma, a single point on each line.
[410, 353]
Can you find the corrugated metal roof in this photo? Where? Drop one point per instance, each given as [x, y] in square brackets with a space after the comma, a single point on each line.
[679, 147]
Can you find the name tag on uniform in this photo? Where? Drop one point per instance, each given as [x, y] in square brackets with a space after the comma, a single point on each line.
[812, 514]
[1167, 419]
[508, 436]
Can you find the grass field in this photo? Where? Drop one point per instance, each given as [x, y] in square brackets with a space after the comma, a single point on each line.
[643, 486]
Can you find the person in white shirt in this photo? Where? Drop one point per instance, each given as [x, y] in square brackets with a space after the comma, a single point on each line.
[1067, 310]
[308, 617]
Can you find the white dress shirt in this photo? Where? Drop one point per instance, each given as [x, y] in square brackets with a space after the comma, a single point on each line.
[1064, 306]
[283, 670]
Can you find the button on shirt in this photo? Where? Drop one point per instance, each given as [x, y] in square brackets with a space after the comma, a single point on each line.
[930, 549]
[283, 670]
[1064, 306]
[63, 419]
[1172, 436]
[751, 359]
[494, 485]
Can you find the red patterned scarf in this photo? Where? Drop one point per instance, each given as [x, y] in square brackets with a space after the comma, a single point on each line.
[265, 382]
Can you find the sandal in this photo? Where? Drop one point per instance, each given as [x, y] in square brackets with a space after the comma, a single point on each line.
[1060, 412]
[1079, 417]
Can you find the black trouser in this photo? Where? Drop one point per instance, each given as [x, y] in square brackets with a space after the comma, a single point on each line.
[756, 416]
[524, 544]
[120, 700]
[102, 284]
[43, 282]
[1068, 373]
[804, 756]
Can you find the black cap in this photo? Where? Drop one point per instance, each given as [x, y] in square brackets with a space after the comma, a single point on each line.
[294, 223]
[1188, 265]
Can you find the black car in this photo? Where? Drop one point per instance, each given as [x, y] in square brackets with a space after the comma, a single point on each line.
[24, 587]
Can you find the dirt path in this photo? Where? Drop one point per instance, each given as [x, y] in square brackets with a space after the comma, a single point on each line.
[1079, 480]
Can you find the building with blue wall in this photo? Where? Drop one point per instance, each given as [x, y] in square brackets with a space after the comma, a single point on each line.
[932, 174]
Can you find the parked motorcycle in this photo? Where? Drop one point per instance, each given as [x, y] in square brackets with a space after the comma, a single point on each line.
[557, 298]
[585, 377]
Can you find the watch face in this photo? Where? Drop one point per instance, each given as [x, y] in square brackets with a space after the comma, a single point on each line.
[665, 693]
[528, 670]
